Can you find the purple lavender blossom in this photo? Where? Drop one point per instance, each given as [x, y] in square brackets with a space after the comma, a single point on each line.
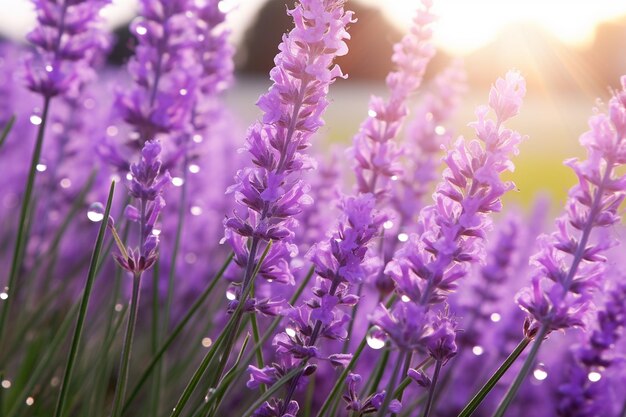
[164, 70]
[583, 395]
[425, 135]
[67, 37]
[375, 153]
[426, 269]
[146, 186]
[568, 265]
[368, 405]
[270, 192]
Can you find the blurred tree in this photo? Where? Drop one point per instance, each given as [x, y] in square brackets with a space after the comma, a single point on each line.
[370, 47]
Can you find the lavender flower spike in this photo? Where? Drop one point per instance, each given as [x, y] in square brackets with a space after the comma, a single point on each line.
[568, 265]
[270, 192]
[426, 269]
[375, 153]
[146, 186]
[67, 37]
[584, 394]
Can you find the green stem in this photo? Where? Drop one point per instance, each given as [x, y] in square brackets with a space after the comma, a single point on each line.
[230, 332]
[517, 383]
[120, 389]
[258, 350]
[480, 395]
[273, 389]
[5, 133]
[431, 391]
[176, 332]
[26, 207]
[342, 377]
[374, 379]
[82, 312]
[391, 384]
[156, 383]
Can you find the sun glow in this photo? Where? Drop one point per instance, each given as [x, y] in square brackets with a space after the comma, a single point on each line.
[464, 26]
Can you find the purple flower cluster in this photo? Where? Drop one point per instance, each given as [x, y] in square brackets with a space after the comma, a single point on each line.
[375, 153]
[67, 37]
[583, 395]
[426, 269]
[569, 265]
[146, 186]
[164, 69]
[270, 192]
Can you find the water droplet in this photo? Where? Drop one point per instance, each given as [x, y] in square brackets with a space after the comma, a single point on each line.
[405, 298]
[30, 401]
[95, 212]
[177, 181]
[129, 176]
[375, 338]
[118, 307]
[35, 119]
[495, 317]
[41, 167]
[230, 295]
[403, 237]
[197, 138]
[429, 116]
[156, 231]
[394, 178]
[49, 68]
[207, 342]
[540, 372]
[65, 183]
[112, 130]
[6, 384]
[183, 91]
[388, 224]
[194, 169]
[196, 211]
[191, 258]
[141, 30]
[478, 350]
[372, 113]
[594, 376]
[3, 296]
[55, 381]
[291, 332]
[440, 130]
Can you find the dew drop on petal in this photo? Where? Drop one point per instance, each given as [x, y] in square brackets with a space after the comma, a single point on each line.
[372, 113]
[290, 332]
[403, 237]
[41, 167]
[375, 338]
[194, 169]
[129, 176]
[95, 213]
[388, 224]
[495, 317]
[478, 350]
[230, 295]
[440, 130]
[540, 372]
[35, 119]
[594, 376]
[197, 138]
[141, 30]
[405, 299]
[3, 295]
[196, 210]
[177, 181]
[65, 183]
[183, 91]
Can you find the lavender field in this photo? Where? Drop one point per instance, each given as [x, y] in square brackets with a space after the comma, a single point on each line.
[179, 240]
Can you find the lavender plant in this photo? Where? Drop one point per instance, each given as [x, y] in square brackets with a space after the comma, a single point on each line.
[344, 296]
